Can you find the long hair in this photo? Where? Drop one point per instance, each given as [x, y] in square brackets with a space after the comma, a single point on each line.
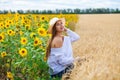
[54, 31]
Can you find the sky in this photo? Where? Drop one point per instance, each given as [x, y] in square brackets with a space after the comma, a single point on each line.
[56, 4]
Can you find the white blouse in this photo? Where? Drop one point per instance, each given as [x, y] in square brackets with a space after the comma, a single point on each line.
[61, 57]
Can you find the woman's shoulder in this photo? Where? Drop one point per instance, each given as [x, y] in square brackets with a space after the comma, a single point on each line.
[57, 42]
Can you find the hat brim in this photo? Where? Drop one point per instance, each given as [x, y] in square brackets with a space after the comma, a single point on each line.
[50, 27]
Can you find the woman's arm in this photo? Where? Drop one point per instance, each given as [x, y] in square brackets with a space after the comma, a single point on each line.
[59, 59]
[62, 60]
[73, 36]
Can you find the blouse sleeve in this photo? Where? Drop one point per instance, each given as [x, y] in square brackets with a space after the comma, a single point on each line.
[59, 59]
[73, 36]
[62, 60]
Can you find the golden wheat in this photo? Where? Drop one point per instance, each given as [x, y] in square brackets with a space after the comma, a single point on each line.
[99, 48]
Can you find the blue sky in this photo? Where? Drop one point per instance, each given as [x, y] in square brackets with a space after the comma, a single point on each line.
[57, 4]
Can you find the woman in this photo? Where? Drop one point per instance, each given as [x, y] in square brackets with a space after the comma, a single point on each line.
[59, 51]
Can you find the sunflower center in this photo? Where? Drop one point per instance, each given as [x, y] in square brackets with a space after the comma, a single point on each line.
[0, 37]
[23, 52]
[17, 26]
[41, 32]
[43, 18]
[25, 21]
[24, 40]
[3, 54]
[38, 24]
[9, 31]
[27, 27]
[7, 25]
[36, 42]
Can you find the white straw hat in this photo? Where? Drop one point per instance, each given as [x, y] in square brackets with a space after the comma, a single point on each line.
[53, 21]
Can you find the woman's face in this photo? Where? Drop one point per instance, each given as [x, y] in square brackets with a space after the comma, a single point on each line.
[59, 26]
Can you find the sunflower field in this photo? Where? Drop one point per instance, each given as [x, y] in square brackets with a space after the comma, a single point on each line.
[23, 39]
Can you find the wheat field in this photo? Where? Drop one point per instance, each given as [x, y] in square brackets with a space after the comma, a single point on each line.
[98, 48]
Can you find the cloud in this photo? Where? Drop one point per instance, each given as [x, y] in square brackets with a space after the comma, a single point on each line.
[56, 4]
[3, 1]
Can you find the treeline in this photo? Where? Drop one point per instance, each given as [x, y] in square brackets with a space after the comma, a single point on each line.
[65, 11]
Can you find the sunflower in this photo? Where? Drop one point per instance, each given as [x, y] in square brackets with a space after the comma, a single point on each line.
[16, 19]
[16, 14]
[10, 21]
[7, 65]
[23, 52]
[42, 32]
[27, 27]
[38, 24]
[23, 22]
[1, 25]
[37, 41]
[7, 25]
[3, 33]
[10, 32]
[1, 37]
[17, 26]
[32, 35]
[3, 54]
[47, 19]
[23, 40]
[21, 33]
[9, 75]
[42, 18]
[23, 17]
